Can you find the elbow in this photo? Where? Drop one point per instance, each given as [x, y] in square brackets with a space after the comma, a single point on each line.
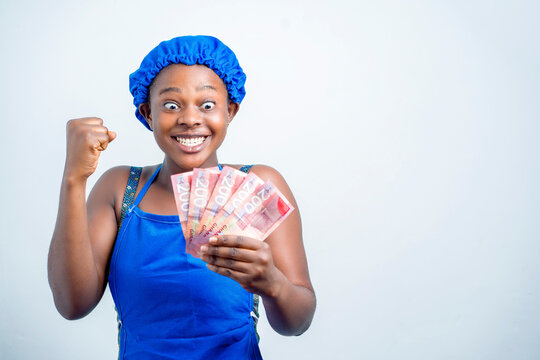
[309, 316]
[71, 311]
[300, 324]
[70, 315]
[72, 302]
[305, 326]
[303, 329]
[292, 330]
[70, 305]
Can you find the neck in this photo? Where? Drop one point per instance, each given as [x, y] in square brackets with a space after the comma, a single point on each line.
[169, 168]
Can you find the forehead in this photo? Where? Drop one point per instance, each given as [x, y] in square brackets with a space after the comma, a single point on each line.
[187, 76]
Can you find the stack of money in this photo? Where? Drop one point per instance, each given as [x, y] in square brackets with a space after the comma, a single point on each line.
[226, 202]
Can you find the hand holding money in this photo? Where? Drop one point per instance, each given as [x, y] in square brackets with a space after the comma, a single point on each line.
[246, 260]
[226, 202]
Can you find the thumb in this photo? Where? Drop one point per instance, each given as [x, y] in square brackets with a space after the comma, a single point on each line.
[112, 135]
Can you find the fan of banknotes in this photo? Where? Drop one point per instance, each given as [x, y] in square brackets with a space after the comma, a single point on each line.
[228, 201]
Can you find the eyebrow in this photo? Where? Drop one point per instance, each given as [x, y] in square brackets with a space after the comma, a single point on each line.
[174, 89]
[179, 90]
[206, 86]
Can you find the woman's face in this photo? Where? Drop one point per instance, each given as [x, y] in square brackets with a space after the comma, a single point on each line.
[188, 112]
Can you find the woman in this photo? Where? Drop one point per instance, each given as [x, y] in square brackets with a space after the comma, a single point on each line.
[170, 304]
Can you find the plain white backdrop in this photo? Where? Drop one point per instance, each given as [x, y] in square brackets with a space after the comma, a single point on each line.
[408, 131]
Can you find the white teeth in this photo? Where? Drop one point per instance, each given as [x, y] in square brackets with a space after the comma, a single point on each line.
[190, 141]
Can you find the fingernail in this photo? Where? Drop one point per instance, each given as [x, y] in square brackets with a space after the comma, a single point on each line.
[213, 239]
[204, 248]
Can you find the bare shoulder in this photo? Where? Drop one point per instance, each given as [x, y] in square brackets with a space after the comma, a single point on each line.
[112, 180]
[115, 174]
[110, 188]
[265, 172]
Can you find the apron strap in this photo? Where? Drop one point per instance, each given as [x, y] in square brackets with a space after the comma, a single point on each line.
[129, 194]
[145, 188]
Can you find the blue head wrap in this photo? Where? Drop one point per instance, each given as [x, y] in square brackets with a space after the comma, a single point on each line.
[188, 50]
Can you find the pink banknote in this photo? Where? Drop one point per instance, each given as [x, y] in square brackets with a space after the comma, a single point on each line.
[247, 187]
[213, 202]
[181, 184]
[202, 185]
[229, 180]
[260, 213]
[274, 211]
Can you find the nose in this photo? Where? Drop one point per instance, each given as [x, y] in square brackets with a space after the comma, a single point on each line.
[190, 117]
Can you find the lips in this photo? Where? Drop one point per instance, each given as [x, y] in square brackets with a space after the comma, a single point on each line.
[191, 143]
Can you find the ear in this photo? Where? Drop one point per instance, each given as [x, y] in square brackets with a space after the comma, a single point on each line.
[144, 109]
[232, 110]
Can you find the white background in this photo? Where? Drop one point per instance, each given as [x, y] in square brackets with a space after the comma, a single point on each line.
[408, 131]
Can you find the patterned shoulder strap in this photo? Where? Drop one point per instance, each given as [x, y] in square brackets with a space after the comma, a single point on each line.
[255, 309]
[246, 168]
[129, 197]
[129, 194]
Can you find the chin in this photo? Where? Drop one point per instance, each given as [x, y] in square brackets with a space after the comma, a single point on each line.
[188, 162]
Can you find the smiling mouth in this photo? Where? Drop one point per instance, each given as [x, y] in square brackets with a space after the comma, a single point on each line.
[190, 141]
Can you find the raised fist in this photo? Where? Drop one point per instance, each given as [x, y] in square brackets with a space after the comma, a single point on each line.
[86, 138]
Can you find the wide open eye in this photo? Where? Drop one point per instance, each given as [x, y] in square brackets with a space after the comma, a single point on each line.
[208, 105]
[171, 106]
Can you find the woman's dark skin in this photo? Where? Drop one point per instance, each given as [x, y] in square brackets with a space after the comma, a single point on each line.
[184, 100]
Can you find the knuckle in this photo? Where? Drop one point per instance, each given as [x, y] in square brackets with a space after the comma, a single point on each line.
[264, 258]
[229, 262]
[257, 273]
[240, 240]
[72, 125]
[233, 251]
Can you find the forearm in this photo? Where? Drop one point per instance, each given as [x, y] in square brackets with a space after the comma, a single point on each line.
[290, 309]
[73, 277]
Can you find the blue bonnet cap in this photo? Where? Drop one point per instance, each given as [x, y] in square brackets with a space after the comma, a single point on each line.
[188, 50]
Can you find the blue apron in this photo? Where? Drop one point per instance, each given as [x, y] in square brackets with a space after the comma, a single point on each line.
[170, 306]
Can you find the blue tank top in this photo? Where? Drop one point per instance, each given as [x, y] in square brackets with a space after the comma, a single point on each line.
[170, 306]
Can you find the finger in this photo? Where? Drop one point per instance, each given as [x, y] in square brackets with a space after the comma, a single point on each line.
[112, 135]
[102, 141]
[233, 274]
[101, 146]
[92, 120]
[238, 241]
[98, 128]
[234, 253]
[239, 266]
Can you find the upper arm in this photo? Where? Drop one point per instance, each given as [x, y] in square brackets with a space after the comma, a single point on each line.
[286, 240]
[103, 207]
